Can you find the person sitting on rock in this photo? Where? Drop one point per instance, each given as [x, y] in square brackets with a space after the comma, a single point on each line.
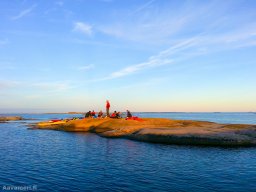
[100, 114]
[114, 115]
[93, 114]
[118, 115]
[129, 115]
[88, 114]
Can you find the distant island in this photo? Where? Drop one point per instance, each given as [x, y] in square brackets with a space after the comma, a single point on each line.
[159, 130]
[72, 112]
[10, 118]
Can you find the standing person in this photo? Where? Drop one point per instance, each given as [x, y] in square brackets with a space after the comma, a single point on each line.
[107, 107]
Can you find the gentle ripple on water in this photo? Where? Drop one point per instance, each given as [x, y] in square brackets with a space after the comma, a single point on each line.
[63, 161]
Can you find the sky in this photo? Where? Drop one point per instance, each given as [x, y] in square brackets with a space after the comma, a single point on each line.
[142, 55]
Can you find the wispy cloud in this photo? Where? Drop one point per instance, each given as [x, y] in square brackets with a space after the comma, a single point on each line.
[151, 24]
[144, 6]
[152, 62]
[83, 28]
[59, 3]
[158, 60]
[85, 67]
[148, 24]
[243, 37]
[24, 12]
[207, 41]
[190, 47]
[42, 86]
[52, 86]
[9, 84]
[158, 30]
[28, 90]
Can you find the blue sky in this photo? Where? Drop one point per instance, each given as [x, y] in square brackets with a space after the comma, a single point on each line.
[142, 55]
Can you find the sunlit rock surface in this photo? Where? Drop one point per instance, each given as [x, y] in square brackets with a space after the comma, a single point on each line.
[157, 130]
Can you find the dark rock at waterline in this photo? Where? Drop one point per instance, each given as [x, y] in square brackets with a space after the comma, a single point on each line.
[223, 138]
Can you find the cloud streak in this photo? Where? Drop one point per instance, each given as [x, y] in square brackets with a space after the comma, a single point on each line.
[162, 58]
[9, 84]
[191, 47]
[24, 12]
[144, 6]
[52, 86]
[149, 24]
[85, 67]
[152, 62]
[83, 28]
[58, 86]
[59, 3]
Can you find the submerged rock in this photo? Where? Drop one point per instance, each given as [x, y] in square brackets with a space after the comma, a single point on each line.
[182, 132]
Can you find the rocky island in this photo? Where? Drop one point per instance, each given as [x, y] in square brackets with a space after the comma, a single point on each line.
[10, 118]
[159, 130]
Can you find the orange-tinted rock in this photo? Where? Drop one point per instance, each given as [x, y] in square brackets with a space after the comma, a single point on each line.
[184, 132]
[11, 118]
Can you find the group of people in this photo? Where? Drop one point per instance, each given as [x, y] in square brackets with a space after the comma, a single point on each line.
[115, 114]
[93, 114]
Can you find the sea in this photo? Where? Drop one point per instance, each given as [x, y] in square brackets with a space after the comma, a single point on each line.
[48, 160]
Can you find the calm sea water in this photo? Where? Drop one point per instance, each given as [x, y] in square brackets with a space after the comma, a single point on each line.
[45, 160]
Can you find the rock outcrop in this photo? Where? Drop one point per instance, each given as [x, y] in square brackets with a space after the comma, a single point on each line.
[10, 118]
[157, 130]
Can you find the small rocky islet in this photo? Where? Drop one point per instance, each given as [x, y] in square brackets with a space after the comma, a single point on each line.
[10, 118]
[160, 130]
